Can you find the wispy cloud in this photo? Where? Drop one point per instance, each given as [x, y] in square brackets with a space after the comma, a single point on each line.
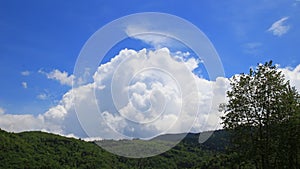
[144, 34]
[25, 73]
[279, 27]
[42, 96]
[24, 85]
[296, 3]
[252, 48]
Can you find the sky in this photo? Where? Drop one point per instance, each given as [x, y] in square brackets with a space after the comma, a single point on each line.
[40, 42]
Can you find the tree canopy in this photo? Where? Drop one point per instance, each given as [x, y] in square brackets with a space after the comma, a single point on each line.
[263, 115]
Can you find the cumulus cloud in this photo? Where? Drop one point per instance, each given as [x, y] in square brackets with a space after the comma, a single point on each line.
[60, 119]
[25, 122]
[25, 73]
[159, 98]
[18, 123]
[152, 99]
[63, 77]
[137, 94]
[293, 75]
[279, 27]
[24, 85]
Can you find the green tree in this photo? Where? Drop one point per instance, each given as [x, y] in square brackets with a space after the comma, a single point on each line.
[263, 115]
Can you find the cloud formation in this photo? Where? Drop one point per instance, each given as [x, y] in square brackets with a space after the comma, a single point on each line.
[293, 75]
[24, 85]
[279, 27]
[138, 32]
[150, 88]
[252, 48]
[63, 77]
[153, 94]
[25, 73]
[156, 88]
[154, 36]
[42, 96]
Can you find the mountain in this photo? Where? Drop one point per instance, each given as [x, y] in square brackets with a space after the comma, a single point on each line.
[37, 149]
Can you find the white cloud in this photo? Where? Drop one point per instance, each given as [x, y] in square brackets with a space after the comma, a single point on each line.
[92, 139]
[152, 97]
[151, 87]
[24, 85]
[42, 96]
[252, 48]
[293, 75]
[18, 123]
[60, 119]
[278, 28]
[138, 32]
[25, 73]
[63, 77]
[149, 93]
[152, 35]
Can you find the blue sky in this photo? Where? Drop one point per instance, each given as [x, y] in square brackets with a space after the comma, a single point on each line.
[38, 37]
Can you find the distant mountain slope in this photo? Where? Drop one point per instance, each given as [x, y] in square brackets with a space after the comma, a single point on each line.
[216, 142]
[44, 150]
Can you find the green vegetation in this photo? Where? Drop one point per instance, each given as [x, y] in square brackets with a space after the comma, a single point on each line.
[136, 148]
[263, 117]
[44, 150]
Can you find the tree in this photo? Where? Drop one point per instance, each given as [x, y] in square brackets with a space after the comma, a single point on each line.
[263, 115]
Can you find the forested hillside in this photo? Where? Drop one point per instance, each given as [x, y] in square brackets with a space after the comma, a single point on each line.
[44, 150]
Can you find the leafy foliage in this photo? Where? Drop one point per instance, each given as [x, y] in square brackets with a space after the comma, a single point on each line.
[263, 116]
[44, 150]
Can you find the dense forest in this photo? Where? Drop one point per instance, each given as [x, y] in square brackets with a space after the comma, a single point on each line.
[261, 130]
[44, 150]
